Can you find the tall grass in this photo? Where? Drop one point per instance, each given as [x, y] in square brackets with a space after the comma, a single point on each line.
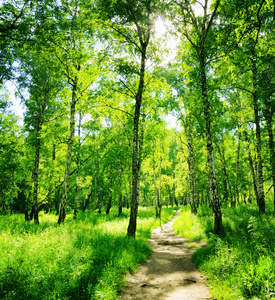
[82, 259]
[240, 264]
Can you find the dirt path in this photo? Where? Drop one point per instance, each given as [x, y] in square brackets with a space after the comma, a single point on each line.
[169, 272]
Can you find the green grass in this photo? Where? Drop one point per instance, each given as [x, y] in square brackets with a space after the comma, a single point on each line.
[187, 225]
[239, 264]
[82, 259]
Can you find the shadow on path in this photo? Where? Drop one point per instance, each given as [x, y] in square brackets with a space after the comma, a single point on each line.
[169, 272]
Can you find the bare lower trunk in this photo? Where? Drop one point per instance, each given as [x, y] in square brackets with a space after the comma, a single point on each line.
[63, 205]
[272, 154]
[271, 151]
[251, 167]
[11, 190]
[3, 207]
[57, 199]
[261, 196]
[130, 189]
[222, 159]
[155, 186]
[236, 195]
[119, 183]
[159, 191]
[120, 188]
[35, 178]
[109, 205]
[77, 168]
[170, 196]
[216, 206]
[191, 169]
[87, 200]
[27, 203]
[131, 231]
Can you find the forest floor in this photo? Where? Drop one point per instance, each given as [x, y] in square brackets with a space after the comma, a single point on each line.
[169, 272]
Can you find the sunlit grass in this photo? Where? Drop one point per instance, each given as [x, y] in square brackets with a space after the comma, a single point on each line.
[188, 226]
[82, 259]
[239, 264]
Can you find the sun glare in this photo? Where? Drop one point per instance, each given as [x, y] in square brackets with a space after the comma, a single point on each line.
[160, 28]
[168, 40]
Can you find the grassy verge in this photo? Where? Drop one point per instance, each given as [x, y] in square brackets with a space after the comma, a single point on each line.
[82, 259]
[240, 264]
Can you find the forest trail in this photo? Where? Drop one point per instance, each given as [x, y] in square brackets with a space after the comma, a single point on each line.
[169, 272]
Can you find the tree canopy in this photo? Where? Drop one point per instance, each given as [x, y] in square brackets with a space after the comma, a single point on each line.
[98, 81]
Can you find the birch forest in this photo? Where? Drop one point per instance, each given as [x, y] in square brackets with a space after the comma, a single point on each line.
[111, 108]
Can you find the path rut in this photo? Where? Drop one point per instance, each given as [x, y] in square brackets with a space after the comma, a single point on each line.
[169, 272]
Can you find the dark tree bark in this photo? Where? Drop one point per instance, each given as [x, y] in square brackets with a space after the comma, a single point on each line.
[261, 196]
[268, 114]
[3, 206]
[87, 200]
[119, 182]
[109, 205]
[11, 189]
[155, 186]
[131, 231]
[191, 169]
[252, 167]
[272, 154]
[236, 194]
[35, 175]
[77, 168]
[119, 187]
[159, 191]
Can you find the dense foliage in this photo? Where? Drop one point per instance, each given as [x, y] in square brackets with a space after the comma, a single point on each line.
[240, 263]
[99, 82]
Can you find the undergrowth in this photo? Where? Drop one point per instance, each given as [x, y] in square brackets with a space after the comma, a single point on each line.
[82, 259]
[240, 263]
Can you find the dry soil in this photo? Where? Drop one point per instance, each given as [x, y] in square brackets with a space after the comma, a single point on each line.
[169, 272]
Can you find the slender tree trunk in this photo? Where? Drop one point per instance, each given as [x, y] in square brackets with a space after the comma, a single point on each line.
[31, 213]
[268, 114]
[210, 153]
[98, 185]
[77, 168]
[57, 197]
[35, 176]
[120, 188]
[159, 191]
[249, 190]
[27, 203]
[170, 195]
[119, 182]
[109, 205]
[236, 194]
[130, 188]
[174, 190]
[131, 231]
[11, 187]
[63, 205]
[261, 196]
[155, 185]
[3, 206]
[272, 154]
[49, 196]
[222, 159]
[252, 168]
[191, 169]
[87, 200]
